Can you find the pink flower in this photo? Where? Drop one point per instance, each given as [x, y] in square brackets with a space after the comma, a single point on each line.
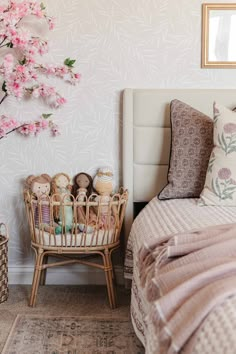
[43, 124]
[24, 130]
[50, 69]
[30, 60]
[74, 78]
[51, 23]
[8, 58]
[21, 39]
[8, 63]
[55, 129]
[224, 173]
[14, 88]
[28, 129]
[31, 127]
[229, 128]
[62, 70]
[20, 68]
[7, 124]
[2, 132]
[61, 101]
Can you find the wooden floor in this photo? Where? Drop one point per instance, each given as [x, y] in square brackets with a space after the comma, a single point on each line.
[61, 300]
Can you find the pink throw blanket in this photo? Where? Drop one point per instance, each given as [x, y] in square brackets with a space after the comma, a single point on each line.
[190, 286]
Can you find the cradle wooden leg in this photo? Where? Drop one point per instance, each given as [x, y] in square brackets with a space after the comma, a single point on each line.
[110, 285]
[114, 281]
[44, 272]
[36, 277]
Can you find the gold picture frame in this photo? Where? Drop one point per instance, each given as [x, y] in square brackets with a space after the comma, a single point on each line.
[218, 34]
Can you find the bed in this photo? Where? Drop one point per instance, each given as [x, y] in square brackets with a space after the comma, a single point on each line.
[146, 150]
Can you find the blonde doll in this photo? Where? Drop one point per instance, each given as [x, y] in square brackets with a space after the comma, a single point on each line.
[103, 183]
[61, 188]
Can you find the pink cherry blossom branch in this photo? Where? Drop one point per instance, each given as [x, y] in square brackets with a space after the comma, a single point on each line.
[10, 131]
[20, 79]
[9, 125]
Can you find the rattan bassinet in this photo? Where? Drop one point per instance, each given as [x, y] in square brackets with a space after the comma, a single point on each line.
[99, 237]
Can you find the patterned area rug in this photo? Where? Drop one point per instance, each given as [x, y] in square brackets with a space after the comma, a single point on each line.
[33, 334]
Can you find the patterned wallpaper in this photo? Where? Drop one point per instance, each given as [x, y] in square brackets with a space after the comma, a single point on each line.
[117, 44]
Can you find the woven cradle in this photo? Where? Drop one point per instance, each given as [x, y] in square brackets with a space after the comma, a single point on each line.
[94, 231]
[3, 263]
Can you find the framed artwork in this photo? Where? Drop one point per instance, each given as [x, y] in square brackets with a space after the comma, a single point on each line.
[218, 35]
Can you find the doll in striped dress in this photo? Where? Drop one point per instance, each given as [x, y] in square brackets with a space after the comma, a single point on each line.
[40, 186]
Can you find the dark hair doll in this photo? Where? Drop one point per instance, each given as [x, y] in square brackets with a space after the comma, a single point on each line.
[83, 185]
[82, 189]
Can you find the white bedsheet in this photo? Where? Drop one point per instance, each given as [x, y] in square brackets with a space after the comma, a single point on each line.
[169, 217]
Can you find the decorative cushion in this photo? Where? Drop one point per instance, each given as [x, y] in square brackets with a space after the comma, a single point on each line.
[220, 184]
[191, 146]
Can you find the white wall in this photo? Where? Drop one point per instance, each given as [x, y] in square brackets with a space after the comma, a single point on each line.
[117, 44]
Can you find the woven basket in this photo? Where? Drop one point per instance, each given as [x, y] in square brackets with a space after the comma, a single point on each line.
[3, 263]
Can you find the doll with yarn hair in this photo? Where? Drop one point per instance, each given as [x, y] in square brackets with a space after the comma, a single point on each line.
[83, 186]
[61, 189]
[82, 189]
[103, 183]
[40, 187]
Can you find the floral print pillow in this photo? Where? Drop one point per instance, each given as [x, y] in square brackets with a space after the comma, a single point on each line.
[220, 184]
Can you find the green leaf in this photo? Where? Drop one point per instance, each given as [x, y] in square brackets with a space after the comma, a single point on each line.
[66, 61]
[4, 87]
[211, 164]
[218, 187]
[232, 149]
[219, 140]
[227, 196]
[230, 189]
[69, 62]
[214, 188]
[233, 141]
[46, 116]
[224, 142]
[10, 45]
[22, 62]
[42, 6]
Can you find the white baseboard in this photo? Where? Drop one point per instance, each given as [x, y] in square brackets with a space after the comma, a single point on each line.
[74, 275]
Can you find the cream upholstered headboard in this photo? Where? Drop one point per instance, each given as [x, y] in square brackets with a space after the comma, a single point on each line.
[146, 136]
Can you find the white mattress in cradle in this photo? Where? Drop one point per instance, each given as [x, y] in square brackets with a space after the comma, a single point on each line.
[98, 238]
[169, 217]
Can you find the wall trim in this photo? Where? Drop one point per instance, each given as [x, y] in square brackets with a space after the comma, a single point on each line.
[81, 275]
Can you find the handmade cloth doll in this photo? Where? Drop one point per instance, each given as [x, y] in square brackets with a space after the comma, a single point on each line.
[61, 189]
[82, 189]
[40, 187]
[83, 186]
[103, 183]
